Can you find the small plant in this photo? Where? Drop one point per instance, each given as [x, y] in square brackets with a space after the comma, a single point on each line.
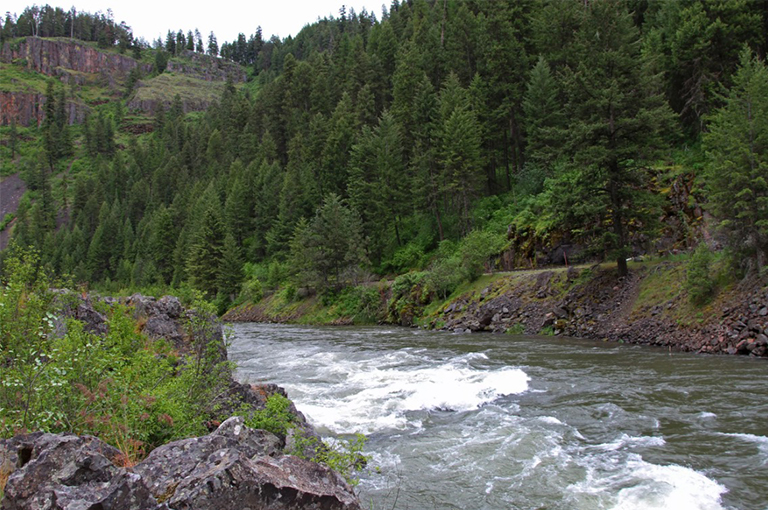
[516, 329]
[276, 416]
[345, 456]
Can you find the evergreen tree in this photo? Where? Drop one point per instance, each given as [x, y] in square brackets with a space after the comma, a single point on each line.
[329, 250]
[618, 119]
[737, 150]
[213, 45]
[230, 270]
[207, 252]
[544, 116]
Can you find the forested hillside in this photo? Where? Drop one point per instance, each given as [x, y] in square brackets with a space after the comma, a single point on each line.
[438, 135]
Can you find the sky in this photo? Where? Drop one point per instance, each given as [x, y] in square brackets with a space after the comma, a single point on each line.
[226, 18]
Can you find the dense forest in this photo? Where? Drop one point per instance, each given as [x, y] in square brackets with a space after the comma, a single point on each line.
[435, 135]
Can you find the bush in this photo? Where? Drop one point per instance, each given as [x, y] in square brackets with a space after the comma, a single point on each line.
[345, 456]
[699, 282]
[252, 290]
[276, 416]
[131, 392]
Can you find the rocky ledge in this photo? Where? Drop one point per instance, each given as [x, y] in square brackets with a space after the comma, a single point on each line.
[233, 467]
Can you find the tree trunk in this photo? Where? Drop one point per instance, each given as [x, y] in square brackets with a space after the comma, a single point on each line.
[621, 266]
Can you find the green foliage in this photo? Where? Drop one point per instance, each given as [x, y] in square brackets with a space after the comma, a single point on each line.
[603, 193]
[131, 392]
[440, 119]
[276, 416]
[329, 250]
[7, 219]
[345, 456]
[737, 150]
[700, 282]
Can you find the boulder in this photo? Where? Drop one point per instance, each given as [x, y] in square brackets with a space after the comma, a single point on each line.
[162, 326]
[170, 306]
[234, 468]
[68, 472]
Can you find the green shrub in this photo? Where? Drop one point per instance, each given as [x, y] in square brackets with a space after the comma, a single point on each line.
[276, 416]
[699, 281]
[131, 392]
[252, 290]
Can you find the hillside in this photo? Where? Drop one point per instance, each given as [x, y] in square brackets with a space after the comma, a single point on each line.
[438, 141]
[95, 77]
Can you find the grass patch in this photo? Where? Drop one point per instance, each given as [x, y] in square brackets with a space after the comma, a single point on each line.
[166, 86]
[17, 78]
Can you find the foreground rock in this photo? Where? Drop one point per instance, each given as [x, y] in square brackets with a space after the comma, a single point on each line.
[234, 467]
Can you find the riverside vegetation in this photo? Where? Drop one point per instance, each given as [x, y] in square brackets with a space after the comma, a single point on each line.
[372, 168]
[72, 364]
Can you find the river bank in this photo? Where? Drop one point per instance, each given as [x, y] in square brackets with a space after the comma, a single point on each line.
[124, 370]
[650, 306]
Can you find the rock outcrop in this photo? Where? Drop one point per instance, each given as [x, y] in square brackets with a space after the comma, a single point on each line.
[28, 108]
[77, 64]
[603, 308]
[57, 57]
[233, 467]
[207, 68]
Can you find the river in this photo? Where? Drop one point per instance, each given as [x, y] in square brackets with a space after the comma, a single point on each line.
[512, 422]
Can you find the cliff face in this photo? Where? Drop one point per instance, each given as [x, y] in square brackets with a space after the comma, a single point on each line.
[55, 57]
[28, 108]
[198, 79]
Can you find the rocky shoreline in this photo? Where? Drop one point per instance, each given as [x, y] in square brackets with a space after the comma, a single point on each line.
[603, 308]
[233, 467]
[586, 302]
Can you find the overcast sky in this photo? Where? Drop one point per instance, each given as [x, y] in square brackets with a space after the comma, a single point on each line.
[226, 18]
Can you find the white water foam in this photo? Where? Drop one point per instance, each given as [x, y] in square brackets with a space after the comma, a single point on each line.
[667, 487]
[625, 440]
[760, 441]
[624, 481]
[373, 395]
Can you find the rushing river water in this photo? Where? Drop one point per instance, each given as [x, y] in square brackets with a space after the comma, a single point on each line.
[504, 422]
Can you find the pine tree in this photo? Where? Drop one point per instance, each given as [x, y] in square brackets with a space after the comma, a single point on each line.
[207, 252]
[544, 116]
[618, 119]
[230, 269]
[331, 246]
[737, 150]
[213, 45]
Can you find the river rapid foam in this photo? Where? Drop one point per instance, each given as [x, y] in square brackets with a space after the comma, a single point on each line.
[452, 425]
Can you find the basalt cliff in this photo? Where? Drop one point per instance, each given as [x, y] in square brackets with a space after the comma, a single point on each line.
[93, 75]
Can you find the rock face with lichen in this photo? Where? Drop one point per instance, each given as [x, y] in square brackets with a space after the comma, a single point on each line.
[78, 64]
[233, 467]
[60, 57]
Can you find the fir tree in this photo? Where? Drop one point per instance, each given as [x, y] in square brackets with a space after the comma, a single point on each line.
[737, 150]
